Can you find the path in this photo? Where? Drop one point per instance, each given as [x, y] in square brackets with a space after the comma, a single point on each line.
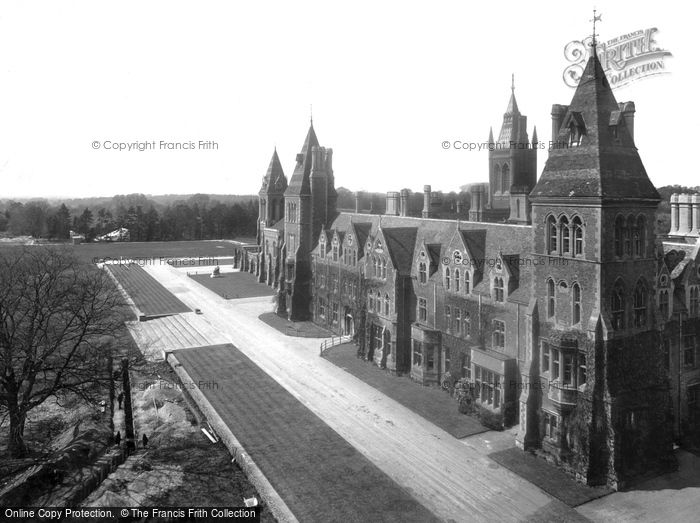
[452, 479]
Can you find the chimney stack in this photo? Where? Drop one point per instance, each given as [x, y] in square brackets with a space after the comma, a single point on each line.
[476, 207]
[674, 214]
[627, 110]
[558, 113]
[405, 193]
[426, 201]
[357, 202]
[684, 214]
[695, 202]
[392, 203]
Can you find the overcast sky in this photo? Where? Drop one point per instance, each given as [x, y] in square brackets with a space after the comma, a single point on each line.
[389, 82]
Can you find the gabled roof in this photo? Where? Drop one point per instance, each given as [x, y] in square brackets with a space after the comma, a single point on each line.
[401, 242]
[362, 231]
[300, 184]
[475, 241]
[606, 164]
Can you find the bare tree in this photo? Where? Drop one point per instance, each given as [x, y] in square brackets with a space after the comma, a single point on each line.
[59, 319]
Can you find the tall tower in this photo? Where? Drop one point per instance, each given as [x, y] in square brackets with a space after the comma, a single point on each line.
[310, 202]
[512, 165]
[271, 196]
[602, 400]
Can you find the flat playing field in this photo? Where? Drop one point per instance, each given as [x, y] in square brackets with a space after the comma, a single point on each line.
[149, 296]
[205, 249]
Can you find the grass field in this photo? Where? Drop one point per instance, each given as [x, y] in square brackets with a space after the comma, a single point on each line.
[149, 296]
[153, 251]
[233, 285]
[319, 475]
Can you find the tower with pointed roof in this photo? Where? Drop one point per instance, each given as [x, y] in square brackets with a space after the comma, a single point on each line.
[310, 206]
[271, 195]
[602, 401]
[512, 166]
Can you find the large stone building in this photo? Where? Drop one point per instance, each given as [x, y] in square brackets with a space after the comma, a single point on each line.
[555, 300]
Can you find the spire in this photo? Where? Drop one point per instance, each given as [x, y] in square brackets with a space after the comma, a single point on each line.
[274, 179]
[534, 134]
[512, 104]
[490, 134]
[596, 156]
[299, 183]
[512, 128]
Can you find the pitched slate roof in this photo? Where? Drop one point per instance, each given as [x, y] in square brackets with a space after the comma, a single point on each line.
[401, 242]
[486, 240]
[604, 165]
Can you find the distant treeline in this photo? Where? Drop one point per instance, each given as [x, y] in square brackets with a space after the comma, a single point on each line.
[197, 217]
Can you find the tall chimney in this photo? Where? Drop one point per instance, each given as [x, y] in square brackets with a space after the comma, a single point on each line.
[674, 214]
[627, 110]
[404, 201]
[558, 113]
[459, 206]
[476, 208]
[695, 201]
[684, 210]
[357, 201]
[426, 201]
[392, 203]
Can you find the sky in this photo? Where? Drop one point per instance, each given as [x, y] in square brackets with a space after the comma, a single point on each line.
[387, 83]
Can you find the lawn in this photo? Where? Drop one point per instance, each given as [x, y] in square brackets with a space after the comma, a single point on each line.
[305, 329]
[430, 403]
[549, 478]
[154, 250]
[149, 296]
[233, 285]
[319, 475]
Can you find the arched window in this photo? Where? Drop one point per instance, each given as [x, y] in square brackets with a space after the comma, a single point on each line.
[447, 278]
[497, 178]
[694, 301]
[578, 236]
[457, 280]
[550, 298]
[467, 324]
[384, 268]
[639, 236]
[619, 233]
[467, 282]
[371, 301]
[498, 289]
[576, 291]
[617, 306]
[663, 304]
[505, 179]
[386, 305]
[640, 304]
[552, 235]
[565, 235]
[422, 273]
[628, 236]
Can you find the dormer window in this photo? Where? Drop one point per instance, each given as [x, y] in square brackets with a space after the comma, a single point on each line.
[576, 127]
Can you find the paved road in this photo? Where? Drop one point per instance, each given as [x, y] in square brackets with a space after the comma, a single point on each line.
[452, 479]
